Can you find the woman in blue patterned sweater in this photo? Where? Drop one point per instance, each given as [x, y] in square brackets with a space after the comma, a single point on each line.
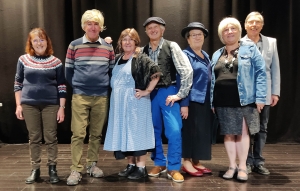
[40, 93]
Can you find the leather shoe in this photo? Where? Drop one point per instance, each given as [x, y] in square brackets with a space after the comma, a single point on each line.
[176, 176]
[242, 178]
[260, 169]
[157, 170]
[249, 168]
[228, 175]
[128, 170]
[203, 170]
[198, 173]
[138, 173]
[35, 174]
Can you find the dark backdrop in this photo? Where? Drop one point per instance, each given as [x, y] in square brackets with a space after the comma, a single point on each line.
[61, 19]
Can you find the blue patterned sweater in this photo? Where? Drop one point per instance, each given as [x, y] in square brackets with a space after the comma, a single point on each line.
[41, 80]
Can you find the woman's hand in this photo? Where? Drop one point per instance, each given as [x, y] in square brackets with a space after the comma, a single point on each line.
[171, 99]
[60, 115]
[19, 112]
[141, 93]
[259, 107]
[184, 111]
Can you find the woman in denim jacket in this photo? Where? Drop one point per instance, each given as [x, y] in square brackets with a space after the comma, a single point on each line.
[238, 93]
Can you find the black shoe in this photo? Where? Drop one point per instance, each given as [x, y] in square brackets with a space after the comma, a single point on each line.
[138, 173]
[128, 170]
[35, 174]
[249, 168]
[53, 174]
[260, 169]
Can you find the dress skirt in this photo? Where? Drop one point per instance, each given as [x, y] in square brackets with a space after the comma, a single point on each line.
[197, 132]
[231, 119]
[130, 126]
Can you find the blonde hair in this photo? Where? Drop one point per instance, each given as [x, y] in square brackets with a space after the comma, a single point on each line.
[225, 22]
[255, 13]
[93, 15]
[133, 34]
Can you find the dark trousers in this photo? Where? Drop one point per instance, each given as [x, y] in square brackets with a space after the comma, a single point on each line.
[258, 140]
[41, 120]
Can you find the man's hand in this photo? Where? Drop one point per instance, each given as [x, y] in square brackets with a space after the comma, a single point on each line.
[274, 100]
[108, 40]
[171, 99]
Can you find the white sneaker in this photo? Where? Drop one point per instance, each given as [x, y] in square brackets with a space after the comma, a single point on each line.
[94, 171]
[74, 178]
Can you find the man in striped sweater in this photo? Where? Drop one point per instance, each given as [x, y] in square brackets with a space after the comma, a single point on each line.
[89, 62]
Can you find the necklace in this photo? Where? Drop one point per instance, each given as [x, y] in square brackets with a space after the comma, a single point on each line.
[228, 60]
[229, 64]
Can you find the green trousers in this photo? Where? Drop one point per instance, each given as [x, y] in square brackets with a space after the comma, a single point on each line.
[41, 120]
[87, 111]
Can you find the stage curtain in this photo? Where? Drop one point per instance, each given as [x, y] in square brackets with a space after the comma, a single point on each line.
[62, 21]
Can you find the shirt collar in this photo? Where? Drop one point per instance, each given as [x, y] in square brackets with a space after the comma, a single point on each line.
[85, 40]
[159, 45]
[260, 39]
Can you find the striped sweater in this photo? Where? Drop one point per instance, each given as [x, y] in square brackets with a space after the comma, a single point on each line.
[88, 66]
[41, 80]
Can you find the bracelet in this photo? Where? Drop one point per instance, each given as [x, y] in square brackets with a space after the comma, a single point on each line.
[62, 106]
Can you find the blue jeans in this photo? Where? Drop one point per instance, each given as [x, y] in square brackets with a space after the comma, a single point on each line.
[171, 118]
[258, 140]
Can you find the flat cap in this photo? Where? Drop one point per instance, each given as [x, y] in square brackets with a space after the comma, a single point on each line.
[154, 19]
[194, 25]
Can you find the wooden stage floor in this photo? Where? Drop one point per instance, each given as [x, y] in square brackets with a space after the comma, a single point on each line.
[283, 161]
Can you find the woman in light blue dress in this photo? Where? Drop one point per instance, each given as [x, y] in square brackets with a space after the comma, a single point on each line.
[130, 130]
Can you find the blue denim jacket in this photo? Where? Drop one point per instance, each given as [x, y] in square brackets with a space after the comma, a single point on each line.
[251, 76]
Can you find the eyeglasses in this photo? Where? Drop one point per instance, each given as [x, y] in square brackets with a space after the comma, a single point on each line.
[196, 35]
[254, 22]
[127, 40]
[35, 41]
[232, 29]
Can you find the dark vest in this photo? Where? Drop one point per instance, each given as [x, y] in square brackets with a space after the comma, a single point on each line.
[166, 64]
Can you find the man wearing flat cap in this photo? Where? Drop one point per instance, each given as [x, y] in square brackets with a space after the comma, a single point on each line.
[165, 97]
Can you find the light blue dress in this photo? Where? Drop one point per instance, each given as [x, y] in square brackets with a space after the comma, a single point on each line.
[130, 126]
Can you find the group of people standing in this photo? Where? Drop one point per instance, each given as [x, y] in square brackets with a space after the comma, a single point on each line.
[147, 90]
